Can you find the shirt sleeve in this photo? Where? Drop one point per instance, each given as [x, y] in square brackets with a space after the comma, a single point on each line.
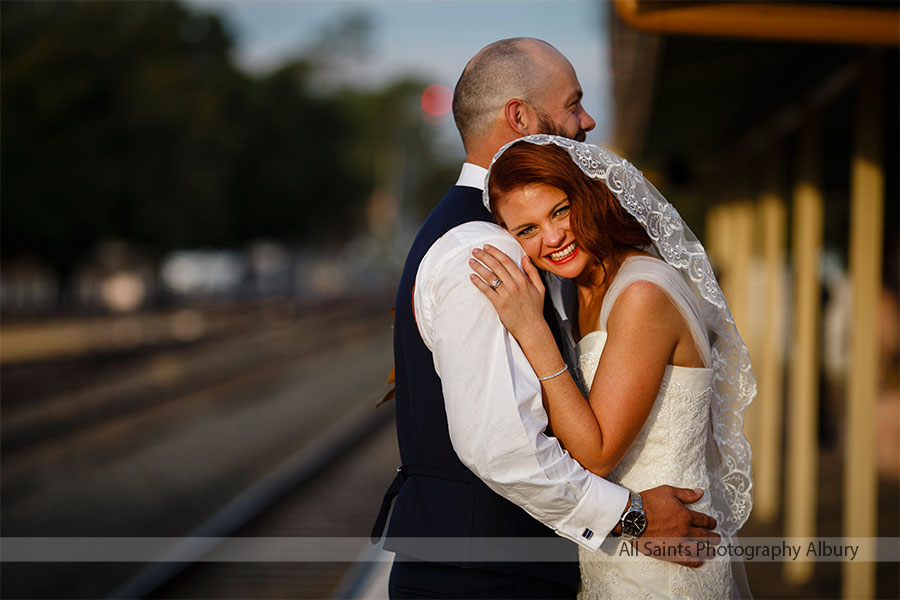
[493, 397]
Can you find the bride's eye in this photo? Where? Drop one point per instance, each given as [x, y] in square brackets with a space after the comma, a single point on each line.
[561, 211]
[527, 231]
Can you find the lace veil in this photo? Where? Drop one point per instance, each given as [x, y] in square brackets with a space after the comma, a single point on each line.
[728, 452]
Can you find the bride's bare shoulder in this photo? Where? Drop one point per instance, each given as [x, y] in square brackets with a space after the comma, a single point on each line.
[643, 301]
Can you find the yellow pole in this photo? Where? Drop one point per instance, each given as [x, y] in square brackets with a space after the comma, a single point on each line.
[866, 222]
[802, 439]
[738, 286]
[712, 239]
[720, 229]
[768, 362]
[741, 263]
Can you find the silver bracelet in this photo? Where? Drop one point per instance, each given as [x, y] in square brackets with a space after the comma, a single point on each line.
[557, 374]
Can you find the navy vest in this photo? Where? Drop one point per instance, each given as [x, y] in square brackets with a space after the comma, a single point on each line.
[436, 495]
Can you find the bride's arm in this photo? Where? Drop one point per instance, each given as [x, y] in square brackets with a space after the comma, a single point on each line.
[643, 329]
[643, 333]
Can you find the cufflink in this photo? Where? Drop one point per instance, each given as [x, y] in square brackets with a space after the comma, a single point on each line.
[588, 534]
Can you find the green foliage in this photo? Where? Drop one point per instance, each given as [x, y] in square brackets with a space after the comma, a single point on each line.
[111, 115]
[293, 176]
[128, 120]
[397, 144]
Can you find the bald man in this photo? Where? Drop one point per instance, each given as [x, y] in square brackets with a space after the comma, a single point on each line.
[485, 500]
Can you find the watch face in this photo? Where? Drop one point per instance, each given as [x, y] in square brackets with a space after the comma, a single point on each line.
[634, 523]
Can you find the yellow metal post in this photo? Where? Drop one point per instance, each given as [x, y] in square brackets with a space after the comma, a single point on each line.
[738, 288]
[741, 250]
[712, 240]
[719, 232]
[866, 222]
[768, 362]
[802, 439]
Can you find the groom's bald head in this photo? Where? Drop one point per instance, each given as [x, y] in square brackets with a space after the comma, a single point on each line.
[500, 71]
[516, 87]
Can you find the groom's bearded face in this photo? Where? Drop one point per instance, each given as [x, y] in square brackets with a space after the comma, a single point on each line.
[546, 125]
[557, 100]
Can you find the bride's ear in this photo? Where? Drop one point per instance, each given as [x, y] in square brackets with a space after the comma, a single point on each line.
[520, 117]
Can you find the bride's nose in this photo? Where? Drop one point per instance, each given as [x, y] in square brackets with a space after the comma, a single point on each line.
[556, 235]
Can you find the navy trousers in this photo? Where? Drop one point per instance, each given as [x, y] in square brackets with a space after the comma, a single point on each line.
[411, 578]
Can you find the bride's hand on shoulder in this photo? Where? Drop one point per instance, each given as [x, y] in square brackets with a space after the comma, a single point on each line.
[517, 296]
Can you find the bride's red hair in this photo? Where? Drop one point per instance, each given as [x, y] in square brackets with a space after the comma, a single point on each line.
[601, 225]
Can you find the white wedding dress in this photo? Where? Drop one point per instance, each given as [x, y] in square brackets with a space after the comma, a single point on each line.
[670, 449]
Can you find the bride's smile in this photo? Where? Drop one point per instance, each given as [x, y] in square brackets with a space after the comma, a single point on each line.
[564, 255]
[538, 215]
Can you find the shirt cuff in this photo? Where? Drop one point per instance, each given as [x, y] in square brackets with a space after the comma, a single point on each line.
[596, 514]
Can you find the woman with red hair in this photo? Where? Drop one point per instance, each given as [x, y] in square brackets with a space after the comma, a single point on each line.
[652, 342]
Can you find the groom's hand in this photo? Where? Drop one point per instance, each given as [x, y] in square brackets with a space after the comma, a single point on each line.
[668, 517]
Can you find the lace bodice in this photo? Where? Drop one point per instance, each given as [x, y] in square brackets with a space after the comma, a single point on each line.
[670, 449]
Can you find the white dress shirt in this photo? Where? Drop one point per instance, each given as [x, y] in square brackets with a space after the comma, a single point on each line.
[493, 397]
[472, 176]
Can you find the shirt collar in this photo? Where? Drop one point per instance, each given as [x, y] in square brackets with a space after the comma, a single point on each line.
[472, 176]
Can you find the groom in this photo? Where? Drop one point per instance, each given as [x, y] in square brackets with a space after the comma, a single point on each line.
[470, 423]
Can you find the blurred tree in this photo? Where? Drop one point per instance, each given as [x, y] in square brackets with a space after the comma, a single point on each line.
[113, 126]
[396, 146]
[130, 121]
[293, 176]
[348, 37]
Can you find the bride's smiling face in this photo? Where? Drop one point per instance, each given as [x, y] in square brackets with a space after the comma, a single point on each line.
[538, 216]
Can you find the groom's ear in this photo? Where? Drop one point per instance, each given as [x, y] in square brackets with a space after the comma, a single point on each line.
[520, 116]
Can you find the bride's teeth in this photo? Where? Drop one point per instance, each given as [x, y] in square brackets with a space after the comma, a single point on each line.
[564, 252]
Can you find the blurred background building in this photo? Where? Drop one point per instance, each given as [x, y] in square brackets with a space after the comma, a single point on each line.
[205, 206]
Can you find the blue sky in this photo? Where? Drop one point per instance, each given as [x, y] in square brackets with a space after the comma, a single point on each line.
[430, 38]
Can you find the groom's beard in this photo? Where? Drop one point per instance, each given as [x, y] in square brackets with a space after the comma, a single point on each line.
[546, 125]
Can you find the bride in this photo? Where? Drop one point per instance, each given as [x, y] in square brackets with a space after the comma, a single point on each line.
[665, 372]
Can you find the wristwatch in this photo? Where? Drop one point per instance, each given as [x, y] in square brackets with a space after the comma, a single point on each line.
[634, 520]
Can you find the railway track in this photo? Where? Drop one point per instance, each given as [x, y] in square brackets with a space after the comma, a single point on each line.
[209, 433]
[340, 500]
[258, 431]
[50, 398]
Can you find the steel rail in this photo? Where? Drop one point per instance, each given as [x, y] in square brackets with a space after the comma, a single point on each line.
[302, 466]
